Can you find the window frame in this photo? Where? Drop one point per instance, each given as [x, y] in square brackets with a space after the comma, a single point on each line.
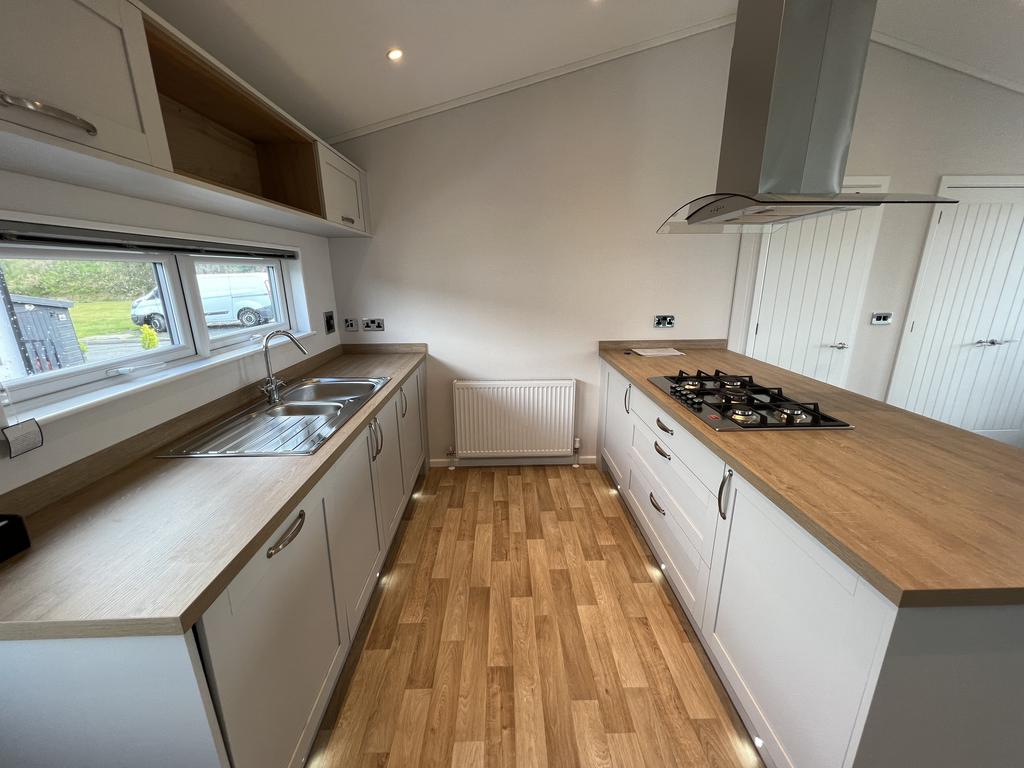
[201, 330]
[179, 288]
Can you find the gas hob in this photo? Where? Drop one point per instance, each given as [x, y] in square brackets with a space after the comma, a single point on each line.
[726, 403]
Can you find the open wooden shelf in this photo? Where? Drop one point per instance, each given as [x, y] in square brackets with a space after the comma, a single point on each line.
[220, 133]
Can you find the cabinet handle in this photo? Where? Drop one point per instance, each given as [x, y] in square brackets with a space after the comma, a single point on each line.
[654, 503]
[39, 107]
[721, 489]
[348, 220]
[405, 401]
[373, 433]
[288, 536]
[662, 426]
[626, 397]
[380, 435]
[661, 451]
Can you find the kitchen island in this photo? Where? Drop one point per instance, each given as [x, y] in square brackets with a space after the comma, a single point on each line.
[861, 592]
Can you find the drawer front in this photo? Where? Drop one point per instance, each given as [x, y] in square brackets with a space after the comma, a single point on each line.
[697, 507]
[680, 560]
[701, 461]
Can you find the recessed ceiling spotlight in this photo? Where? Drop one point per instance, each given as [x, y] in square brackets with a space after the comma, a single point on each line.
[395, 54]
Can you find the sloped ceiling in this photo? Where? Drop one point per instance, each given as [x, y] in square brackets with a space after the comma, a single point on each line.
[324, 60]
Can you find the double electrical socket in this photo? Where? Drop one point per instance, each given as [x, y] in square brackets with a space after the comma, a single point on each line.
[367, 324]
[664, 321]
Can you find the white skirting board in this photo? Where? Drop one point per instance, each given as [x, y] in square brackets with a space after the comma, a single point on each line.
[531, 418]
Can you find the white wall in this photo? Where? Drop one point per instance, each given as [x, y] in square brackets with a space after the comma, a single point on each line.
[514, 233]
[71, 438]
[916, 122]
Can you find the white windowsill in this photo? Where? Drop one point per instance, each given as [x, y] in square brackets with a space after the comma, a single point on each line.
[54, 411]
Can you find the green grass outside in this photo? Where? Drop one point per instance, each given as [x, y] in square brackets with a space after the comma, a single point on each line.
[99, 318]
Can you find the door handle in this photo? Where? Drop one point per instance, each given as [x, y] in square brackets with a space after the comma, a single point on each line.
[289, 535]
[661, 451]
[42, 108]
[839, 345]
[721, 489]
[662, 426]
[405, 402]
[993, 342]
[626, 397]
[380, 434]
[654, 503]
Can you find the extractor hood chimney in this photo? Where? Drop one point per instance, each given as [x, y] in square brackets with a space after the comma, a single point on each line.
[794, 82]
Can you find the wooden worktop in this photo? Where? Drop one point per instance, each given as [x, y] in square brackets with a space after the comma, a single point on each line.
[929, 514]
[147, 549]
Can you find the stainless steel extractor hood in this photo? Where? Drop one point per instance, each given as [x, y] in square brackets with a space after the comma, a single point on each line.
[794, 82]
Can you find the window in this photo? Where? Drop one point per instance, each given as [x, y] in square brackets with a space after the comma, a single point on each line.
[75, 318]
[239, 298]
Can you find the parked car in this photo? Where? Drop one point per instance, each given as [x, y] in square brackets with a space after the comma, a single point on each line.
[228, 299]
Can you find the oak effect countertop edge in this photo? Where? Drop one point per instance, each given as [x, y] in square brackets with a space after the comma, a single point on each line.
[59, 519]
[894, 589]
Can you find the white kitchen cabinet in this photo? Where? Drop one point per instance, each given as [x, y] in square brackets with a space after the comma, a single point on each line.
[84, 66]
[410, 428]
[618, 425]
[343, 189]
[352, 535]
[695, 508]
[389, 489]
[679, 559]
[796, 633]
[270, 640]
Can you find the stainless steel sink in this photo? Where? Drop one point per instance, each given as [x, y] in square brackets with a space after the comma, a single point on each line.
[330, 389]
[309, 412]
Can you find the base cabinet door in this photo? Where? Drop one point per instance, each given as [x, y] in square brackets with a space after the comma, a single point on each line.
[795, 632]
[352, 534]
[410, 428]
[618, 425]
[270, 638]
[387, 471]
[84, 67]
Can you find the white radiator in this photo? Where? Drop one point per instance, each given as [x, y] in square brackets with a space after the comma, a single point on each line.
[512, 419]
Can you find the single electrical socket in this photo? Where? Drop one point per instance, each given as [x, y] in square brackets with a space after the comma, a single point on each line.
[373, 323]
[664, 321]
[351, 325]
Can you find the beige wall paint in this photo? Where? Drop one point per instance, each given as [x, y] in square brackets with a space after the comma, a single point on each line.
[70, 438]
[514, 233]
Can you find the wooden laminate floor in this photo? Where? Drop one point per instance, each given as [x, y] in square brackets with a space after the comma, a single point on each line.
[523, 623]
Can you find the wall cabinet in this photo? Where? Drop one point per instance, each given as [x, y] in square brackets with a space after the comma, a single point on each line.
[410, 427]
[797, 636]
[270, 639]
[343, 189]
[106, 94]
[84, 67]
[352, 535]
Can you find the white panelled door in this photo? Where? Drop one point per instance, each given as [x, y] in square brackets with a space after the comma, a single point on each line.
[961, 359]
[809, 291]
